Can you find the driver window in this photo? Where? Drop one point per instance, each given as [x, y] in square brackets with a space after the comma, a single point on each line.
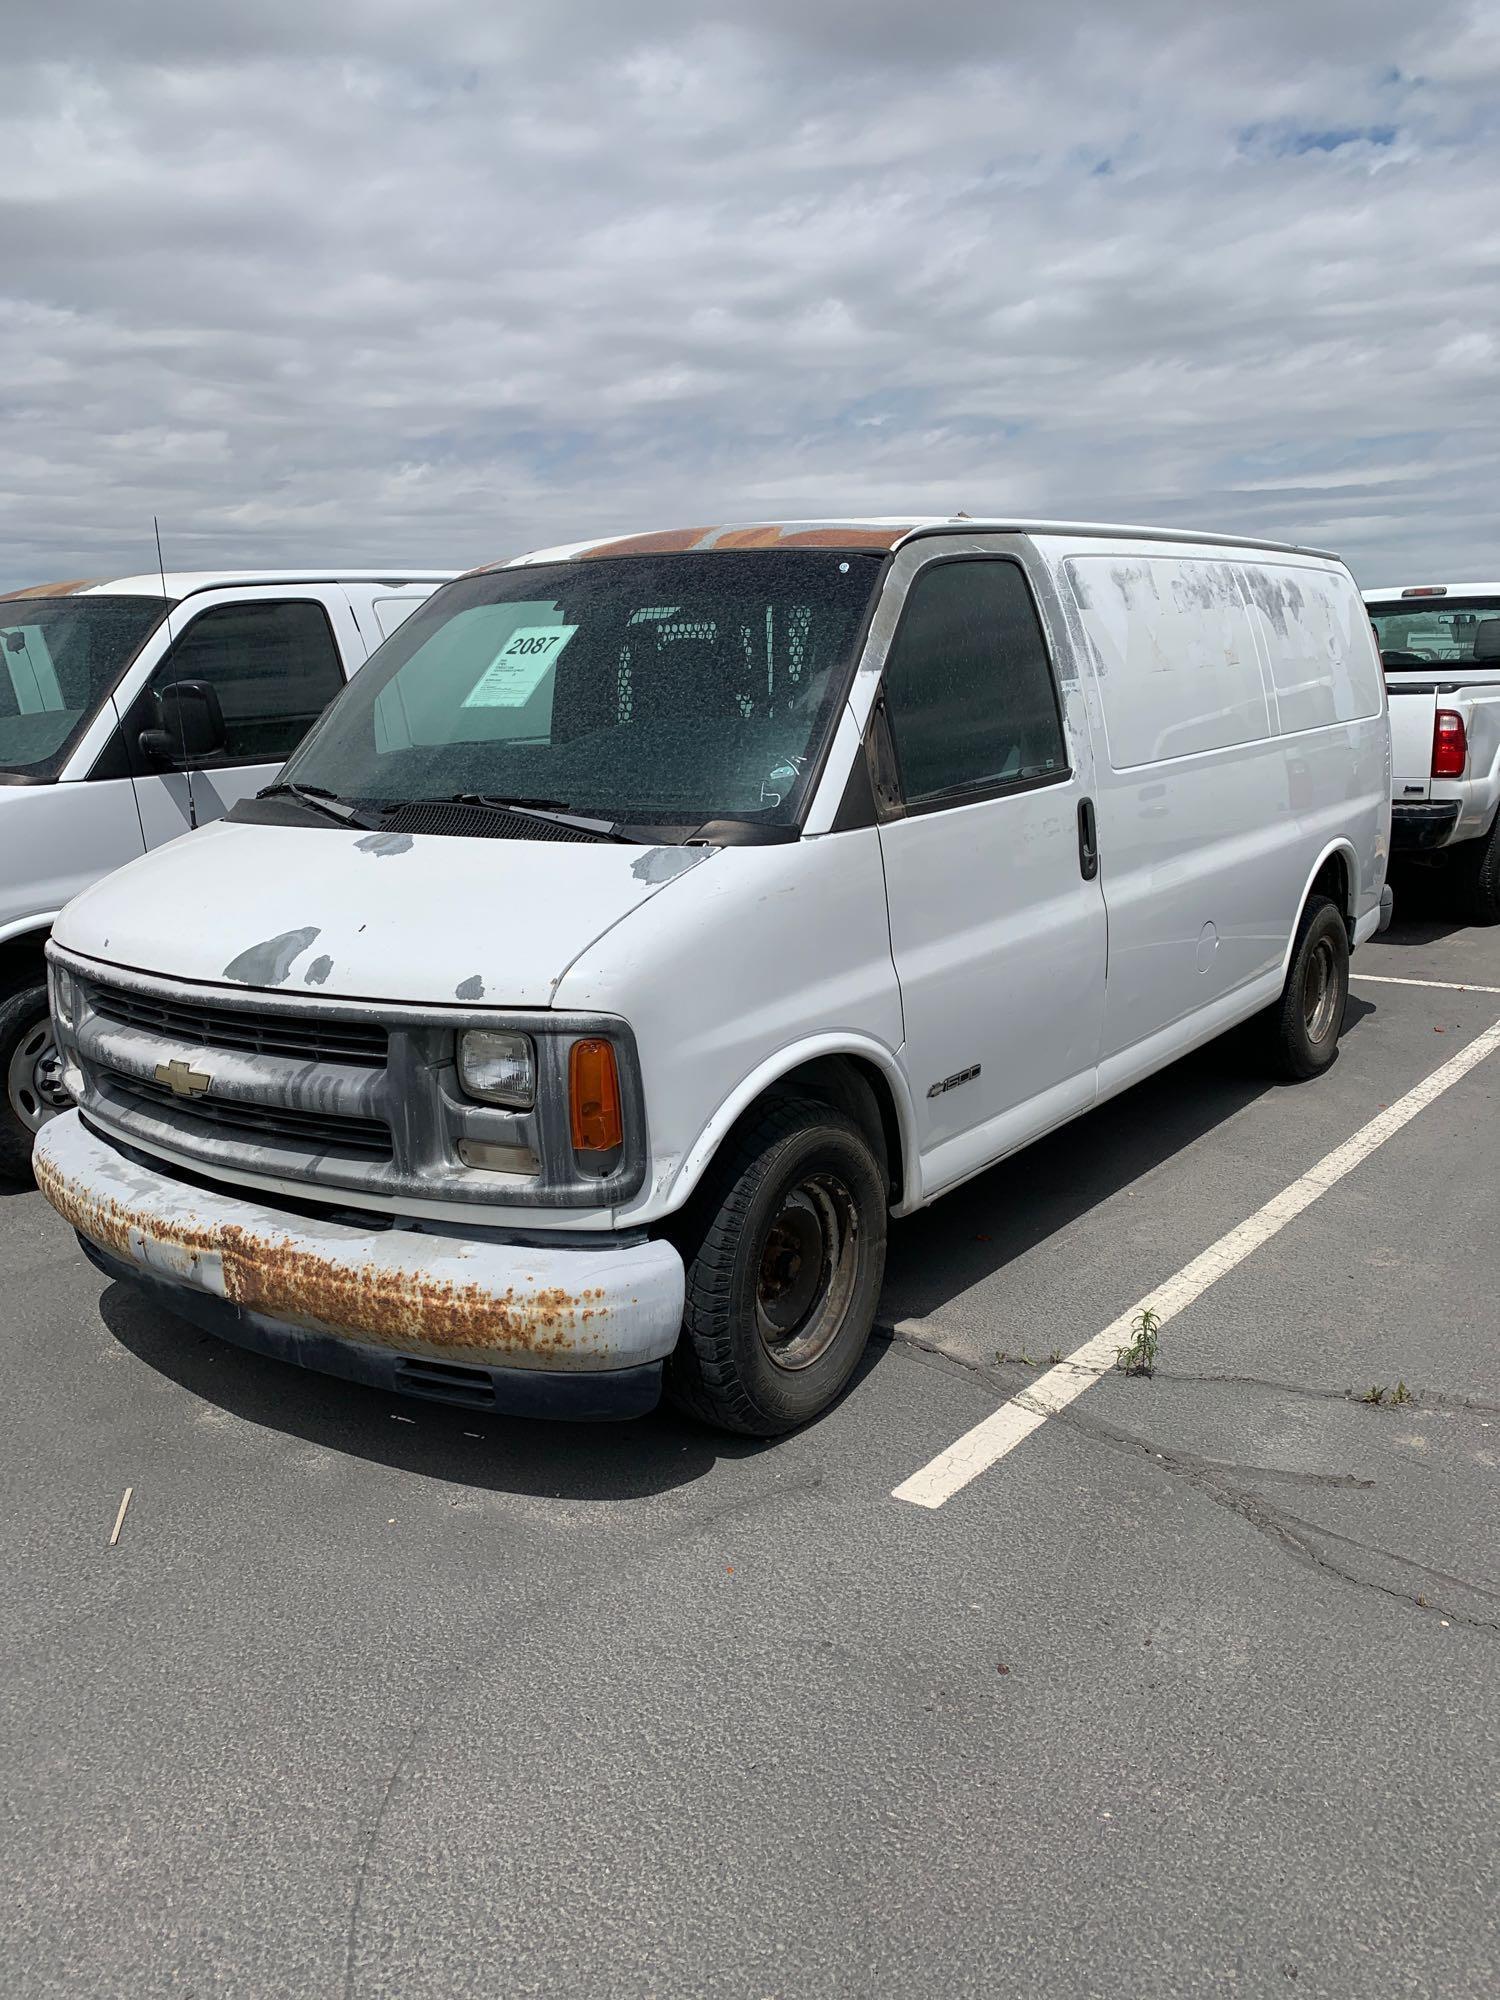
[274, 667]
[968, 686]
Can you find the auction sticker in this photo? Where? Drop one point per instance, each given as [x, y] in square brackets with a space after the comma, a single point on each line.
[518, 669]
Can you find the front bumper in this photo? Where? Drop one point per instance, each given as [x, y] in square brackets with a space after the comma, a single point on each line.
[568, 1332]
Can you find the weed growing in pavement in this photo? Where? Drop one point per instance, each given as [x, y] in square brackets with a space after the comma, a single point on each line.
[1401, 1394]
[1374, 1394]
[1139, 1357]
[1055, 1356]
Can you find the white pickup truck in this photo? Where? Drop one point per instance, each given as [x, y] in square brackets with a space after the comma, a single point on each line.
[131, 711]
[1440, 645]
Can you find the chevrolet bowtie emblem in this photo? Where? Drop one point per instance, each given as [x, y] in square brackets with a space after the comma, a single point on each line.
[182, 1079]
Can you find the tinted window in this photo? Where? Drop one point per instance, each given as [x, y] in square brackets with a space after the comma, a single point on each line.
[59, 658]
[643, 689]
[274, 668]
[967, 684]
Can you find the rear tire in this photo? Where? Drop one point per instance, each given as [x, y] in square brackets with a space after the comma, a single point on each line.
[785, 1252]
[1303, 1027]
[1480, 870]
[30, 1074]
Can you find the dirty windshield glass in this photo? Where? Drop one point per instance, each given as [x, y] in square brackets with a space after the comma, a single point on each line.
[657, 689]
[59, 658]
[1438, 631]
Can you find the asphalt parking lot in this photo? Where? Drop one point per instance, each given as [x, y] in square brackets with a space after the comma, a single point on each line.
[1192, 1688]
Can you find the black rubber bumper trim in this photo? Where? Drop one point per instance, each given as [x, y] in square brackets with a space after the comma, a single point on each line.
[602, 1396]
[1422, 825]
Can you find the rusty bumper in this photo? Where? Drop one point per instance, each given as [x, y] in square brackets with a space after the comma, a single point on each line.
[402, 1302]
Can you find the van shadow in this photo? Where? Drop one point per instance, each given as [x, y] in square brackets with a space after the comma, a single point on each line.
[1429, 907]
[472, 1448]
[973, 1233]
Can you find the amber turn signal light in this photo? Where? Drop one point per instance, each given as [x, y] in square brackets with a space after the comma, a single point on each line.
[594, 1097]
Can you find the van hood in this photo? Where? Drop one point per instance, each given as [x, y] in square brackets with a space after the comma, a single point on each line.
[416, 918]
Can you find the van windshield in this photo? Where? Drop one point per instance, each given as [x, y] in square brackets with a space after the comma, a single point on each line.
[1438, 631]
[648, 689]
[60, 657]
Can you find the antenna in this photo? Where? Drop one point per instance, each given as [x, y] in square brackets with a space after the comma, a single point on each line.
[161, 570]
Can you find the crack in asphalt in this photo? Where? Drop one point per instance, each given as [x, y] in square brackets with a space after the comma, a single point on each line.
[1209, 1477]
[351, 1937]
[991, 1372]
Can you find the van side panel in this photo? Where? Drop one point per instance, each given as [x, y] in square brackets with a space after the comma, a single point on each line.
[1323, 664]
[1176, 658]
[1330, 694]
[1198, 838]
[1217, 791]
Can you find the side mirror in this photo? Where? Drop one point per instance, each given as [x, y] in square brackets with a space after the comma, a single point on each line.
[191, 728]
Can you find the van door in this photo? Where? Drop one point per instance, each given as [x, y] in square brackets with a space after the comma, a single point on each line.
[1200, 800]
[996, 913]
[274, 664]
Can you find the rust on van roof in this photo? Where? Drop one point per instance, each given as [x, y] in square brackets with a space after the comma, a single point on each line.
[757, 535]
[861, 536]
[49, 589]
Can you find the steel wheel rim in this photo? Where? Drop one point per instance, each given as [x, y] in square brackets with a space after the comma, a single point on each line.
[33, 1078]
[1320, 991]
[806, 1274]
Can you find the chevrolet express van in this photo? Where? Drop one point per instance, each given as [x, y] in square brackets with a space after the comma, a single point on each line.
[655, 918]
[131, 710]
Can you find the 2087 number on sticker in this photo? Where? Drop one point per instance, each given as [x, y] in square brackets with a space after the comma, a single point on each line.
[515, 673]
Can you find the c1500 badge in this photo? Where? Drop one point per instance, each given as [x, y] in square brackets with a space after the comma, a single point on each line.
[952, 1082]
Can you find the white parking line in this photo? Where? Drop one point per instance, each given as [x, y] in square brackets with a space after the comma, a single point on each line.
[1438, 985]
[1002, 1431]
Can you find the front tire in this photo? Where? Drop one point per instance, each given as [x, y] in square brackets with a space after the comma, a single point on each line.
[31, 1071]
[1304, 1026]
[785, 1253]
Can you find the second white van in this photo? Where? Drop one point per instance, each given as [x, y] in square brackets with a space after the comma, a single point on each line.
[654, 918]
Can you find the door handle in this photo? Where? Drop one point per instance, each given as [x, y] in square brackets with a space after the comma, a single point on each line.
[1088, 841]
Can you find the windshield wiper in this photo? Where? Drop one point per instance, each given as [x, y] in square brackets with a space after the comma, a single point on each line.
[320, 799]
[556, 811]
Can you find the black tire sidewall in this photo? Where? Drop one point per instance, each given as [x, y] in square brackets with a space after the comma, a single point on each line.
[18, 1016]
[1484, 879]
[783, 1398]
[1303, 1056]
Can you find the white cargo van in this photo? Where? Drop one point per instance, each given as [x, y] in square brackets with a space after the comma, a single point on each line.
[656, 917]
[131, 710]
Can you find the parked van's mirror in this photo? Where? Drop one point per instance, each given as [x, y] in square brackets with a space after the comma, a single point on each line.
[192, 725]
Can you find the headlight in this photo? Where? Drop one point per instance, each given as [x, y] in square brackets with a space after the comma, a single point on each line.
[64, 996]
[498, 1068]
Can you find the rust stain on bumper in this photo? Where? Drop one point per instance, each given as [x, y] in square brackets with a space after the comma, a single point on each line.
[408, 1310]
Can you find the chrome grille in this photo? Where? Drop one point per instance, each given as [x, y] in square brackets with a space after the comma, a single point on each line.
[328, 1041]
[369, 1138]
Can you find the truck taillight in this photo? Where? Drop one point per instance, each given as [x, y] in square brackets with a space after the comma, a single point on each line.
[1450, 744]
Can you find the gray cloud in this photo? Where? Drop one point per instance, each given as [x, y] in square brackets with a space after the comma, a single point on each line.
[338, 283]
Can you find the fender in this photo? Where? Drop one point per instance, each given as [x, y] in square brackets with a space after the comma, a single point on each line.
[835, 1043]
[1345, 849]
[18, 926]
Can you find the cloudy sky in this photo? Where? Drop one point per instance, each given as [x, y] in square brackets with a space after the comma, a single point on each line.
[350, 280]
